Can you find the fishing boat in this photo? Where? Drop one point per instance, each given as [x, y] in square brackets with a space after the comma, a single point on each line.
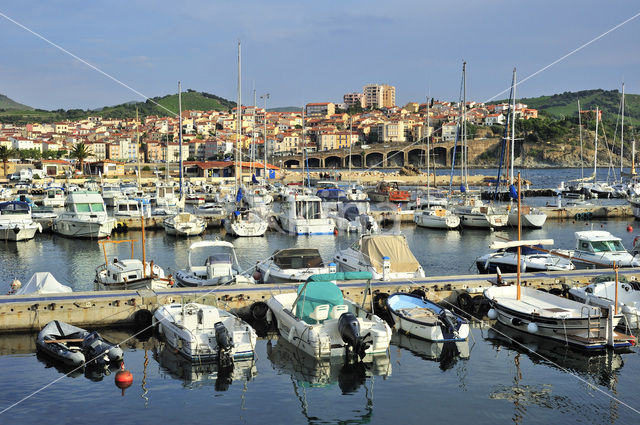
[292, 265]
[384, 256]
[211, 263]
[40, 283]
[532, 259]
[602, 292]
[416, 316]
[600, 249]
[16, 223]
[203, 333]
[304, 215]
[388, 191]
[54, 197]
[85, 217]
[319, 321]
[184, 224]
[75, 346]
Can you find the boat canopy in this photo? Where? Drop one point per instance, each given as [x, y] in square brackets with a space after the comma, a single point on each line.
[315, 294]
[43, 283]
[340, 276]
[14, 207]
[298, 258]
[393, 246]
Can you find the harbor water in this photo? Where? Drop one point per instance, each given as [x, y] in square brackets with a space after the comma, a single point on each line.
[496, 377]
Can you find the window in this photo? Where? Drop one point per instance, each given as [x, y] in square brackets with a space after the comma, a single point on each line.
[97, 207]
[83, 208]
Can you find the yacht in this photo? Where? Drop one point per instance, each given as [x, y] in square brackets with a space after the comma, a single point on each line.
[384, 256]
[304, 215]
[54, 197]
[211, 263]
[16, 223]
[85, 216]
[132, 208]
[474, 213]
[165, 196]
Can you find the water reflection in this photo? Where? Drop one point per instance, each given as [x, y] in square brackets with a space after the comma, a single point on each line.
[445, 353]
[93, 372]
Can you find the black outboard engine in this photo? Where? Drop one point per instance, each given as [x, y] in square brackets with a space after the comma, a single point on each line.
[225, 344]
[349, 329]
[97, 349]
[448, 321]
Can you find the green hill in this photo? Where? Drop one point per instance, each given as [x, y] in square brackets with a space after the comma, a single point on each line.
[6, 103]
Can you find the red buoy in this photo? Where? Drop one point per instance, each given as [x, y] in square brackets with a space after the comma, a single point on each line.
[124, 378]
[629, 228]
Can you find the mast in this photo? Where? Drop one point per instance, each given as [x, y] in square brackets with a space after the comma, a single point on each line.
[428, 159]
[595, 154]
[266, 96]
[464, 124]
[138, 145]
[166, 154]
[513, 124]
[580, 128]
[180, 134]
[350, 144]
[304, 147]
[622, 135]
[253, 134]
[238, 155]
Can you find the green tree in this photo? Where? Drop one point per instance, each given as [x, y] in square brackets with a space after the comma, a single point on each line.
[5, 155]
[80, 152]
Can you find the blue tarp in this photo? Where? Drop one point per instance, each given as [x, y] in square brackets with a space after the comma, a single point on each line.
[239, 195]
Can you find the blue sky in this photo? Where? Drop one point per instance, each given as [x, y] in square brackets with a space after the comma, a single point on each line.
[303, 51]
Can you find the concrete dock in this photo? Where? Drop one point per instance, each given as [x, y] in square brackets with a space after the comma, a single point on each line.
[135, 307]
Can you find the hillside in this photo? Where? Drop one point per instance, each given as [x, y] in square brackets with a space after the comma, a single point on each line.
[6, 103]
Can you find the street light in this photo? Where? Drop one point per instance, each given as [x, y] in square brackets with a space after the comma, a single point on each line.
[265, 97]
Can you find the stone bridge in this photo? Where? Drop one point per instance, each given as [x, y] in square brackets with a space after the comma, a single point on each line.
[388, 155]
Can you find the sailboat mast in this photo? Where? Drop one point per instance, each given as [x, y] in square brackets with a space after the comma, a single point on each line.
[622, 135]
[253, 134]
[350, 143]
[428, 159]
[266, 96]
[166, 155]
[465, 153]
[304, 147]
[513, 123]
[180, 133]
[138, 145]
[239, 123]
[595, 154]
[580, 129]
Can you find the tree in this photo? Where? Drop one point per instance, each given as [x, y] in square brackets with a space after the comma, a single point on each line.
[5, 155]
[80, 152]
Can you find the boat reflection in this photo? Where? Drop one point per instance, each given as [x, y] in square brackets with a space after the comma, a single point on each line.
[197, 375]
[446, 353]
[92, 372]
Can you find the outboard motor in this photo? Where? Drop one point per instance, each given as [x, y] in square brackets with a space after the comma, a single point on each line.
[349, 329]
[448, 321]
[225, 344]
[95, 348]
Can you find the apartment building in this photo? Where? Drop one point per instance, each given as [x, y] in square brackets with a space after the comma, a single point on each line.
[379, 96]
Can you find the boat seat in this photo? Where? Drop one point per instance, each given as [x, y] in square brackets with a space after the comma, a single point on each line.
[320, 313]
[337, 310]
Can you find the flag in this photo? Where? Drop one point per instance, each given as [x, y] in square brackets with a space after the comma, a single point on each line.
[272, 174]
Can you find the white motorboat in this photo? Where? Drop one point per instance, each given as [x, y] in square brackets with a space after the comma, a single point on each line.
[531, 260]
[184, 224]
[476, 214]
[210, 209]
[304, 215]
[132, 208]
[292, 265]
[85, 217]
[600, 249]
[529, 217]
[320, 322]
[602, 293]
[416, 316]
[54, 197]
[384, 256]
[353, 217]
[245, 223]
[204, 333]
[165, 196]
[40, 283]
[111, 193]
[16, 223]
[436, 218]
[211, 263]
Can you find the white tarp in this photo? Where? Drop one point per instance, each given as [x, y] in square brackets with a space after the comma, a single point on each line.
[43, 283]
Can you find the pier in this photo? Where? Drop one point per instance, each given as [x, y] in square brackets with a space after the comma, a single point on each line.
[97, 309]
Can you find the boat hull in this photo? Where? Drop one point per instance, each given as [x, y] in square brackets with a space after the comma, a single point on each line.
[83, 229]
[448, 222]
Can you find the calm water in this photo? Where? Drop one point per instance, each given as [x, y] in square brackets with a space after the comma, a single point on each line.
[491, 379]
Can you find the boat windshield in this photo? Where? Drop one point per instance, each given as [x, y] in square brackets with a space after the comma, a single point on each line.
[308, 209]
[86, 207]
[211, 255]
[298, 258]
[9, 209]
[607, 246]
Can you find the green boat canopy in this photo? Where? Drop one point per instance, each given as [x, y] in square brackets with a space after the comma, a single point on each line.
[340, 276]
[315, 294]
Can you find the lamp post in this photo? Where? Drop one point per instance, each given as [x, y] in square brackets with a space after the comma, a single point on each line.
[265, 97]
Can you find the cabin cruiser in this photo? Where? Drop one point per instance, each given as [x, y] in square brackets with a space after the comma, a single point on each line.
[132, 208]
[293, 265]
[85, 217]
[16, 223]
[304, 215]
[203, 333]
[436, 218]
[600, 249]
[319, 321]
[128, 274]
[531, 260]
[211, 263]
[54, 197]
[384, 256]
[184, 224]
[529, 217]
[165, 196]
[111, 193]
[388, 191]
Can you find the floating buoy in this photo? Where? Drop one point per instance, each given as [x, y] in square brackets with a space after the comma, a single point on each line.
[629, 228]
[124, 378]
[335, 231]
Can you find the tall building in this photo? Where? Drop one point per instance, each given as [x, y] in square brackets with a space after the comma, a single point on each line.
[353, 99]
[379, 96]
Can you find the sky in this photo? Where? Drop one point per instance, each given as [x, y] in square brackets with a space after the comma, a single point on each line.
[312, 51]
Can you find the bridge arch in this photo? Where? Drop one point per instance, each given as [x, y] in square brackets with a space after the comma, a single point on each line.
[291, 163]
[395, 159]
[374, 159]
[417, 157]
[314, 162]
[333, 162]
[439, 155]
[355, 159]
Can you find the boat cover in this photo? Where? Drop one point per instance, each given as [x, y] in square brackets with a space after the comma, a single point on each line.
[324, 277]
[43, 283]
[315, 294]
[298, 258]
[393, 246]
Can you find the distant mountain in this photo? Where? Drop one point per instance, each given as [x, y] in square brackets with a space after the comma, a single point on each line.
[285, 109]
[6, 103]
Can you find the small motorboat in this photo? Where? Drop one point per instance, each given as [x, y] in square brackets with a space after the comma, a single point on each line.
[16, 222]
[292, 265]
[419, 317]
[600, 249]
[184, 224]
[75, 346]
[204, 333]
[532, 259]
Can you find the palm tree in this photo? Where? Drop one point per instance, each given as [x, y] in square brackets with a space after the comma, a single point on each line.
[6, 154]
[81, 152]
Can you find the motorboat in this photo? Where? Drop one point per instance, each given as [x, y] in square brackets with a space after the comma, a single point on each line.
[132, 208]
[304, 215]
[40, 283]
[532, 259]
[111, 193]
[600, 249]
[354, 217]
[16, 223]
[385, 256]
[602, 293]
[388, 191]
[164, 196]
[75, 346]
[184, 224]
[416, 316]
[436, 218]
[54, 197]
[211, 263]
[245, 223]
[319, 321]
[446, 354]
[210, 209]
[529, 217]
[292, 265]
[85, 217]
[203, 333]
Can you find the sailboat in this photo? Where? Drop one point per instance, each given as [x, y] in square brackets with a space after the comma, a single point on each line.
[242, 222]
